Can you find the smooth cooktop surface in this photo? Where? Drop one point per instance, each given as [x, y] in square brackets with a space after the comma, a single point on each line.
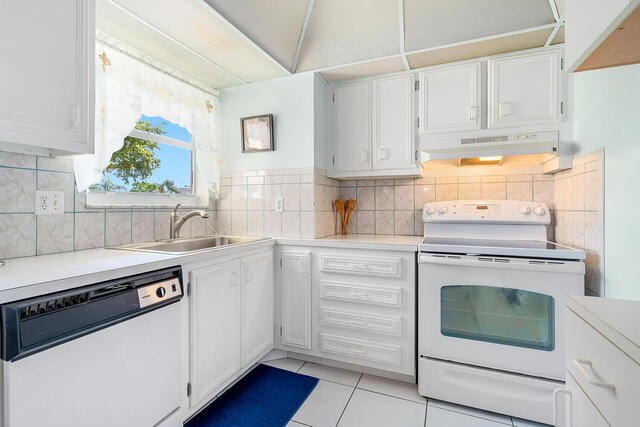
[501, 247]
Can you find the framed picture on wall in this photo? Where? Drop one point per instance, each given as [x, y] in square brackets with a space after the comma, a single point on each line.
[257, 133]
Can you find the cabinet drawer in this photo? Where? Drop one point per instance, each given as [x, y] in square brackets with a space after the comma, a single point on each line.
[583, 413]
[368, 322]
[608, 376]
[377, 352]
[363, 266]
[390, 296]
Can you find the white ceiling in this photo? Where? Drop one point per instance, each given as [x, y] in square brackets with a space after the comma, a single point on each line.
[226, 43]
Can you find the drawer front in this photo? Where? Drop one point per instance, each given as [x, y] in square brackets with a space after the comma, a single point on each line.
[372, 351]
[608, 376]
[367, 322]
[390, 296]
[361, 265]
[583, 413]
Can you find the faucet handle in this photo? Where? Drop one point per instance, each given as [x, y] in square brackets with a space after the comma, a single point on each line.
[175, 210]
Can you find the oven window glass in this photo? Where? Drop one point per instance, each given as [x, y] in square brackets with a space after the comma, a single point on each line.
[498, 315]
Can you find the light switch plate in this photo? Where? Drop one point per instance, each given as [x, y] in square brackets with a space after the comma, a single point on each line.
[49, 202]
[279, 204]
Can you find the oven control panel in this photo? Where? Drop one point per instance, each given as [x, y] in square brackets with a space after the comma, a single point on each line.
[487, 211]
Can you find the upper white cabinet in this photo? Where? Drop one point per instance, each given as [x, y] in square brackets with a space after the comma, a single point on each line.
[47, 75]
[524, 90]
[353, 127]
[589, 23]
[374, 129]
[393, 123]
[450, 99]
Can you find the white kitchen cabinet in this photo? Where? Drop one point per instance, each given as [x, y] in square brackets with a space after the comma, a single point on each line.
[589, 22]
[393, 129]
[524, 89]
[450, 99]
[602, 363]
[215, 327]
[295, 299]
[257, 312]
[47, 75]
[231, 320]
[353, 127]
[374, 129]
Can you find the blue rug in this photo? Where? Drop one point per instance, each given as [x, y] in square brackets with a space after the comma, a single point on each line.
[265, 397]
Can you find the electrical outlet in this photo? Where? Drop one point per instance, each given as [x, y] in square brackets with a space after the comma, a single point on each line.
[49, 202]
[279, 204]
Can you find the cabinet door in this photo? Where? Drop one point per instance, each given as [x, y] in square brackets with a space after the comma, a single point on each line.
[353, 127]
[393, 143]
[296, 299]
[47, 77]
[450, 99]
[524, 90]
[215, 327]
[257, 312]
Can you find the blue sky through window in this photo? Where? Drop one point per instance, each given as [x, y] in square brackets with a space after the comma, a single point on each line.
[175, 163]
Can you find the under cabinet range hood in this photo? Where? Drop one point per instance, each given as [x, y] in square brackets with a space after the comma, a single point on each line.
[545, 143]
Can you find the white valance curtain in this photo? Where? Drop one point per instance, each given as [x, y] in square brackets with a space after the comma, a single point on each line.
[127, 88]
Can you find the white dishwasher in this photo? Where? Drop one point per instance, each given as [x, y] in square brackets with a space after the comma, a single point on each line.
[102, 355]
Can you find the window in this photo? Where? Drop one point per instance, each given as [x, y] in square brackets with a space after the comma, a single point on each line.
[155, 167]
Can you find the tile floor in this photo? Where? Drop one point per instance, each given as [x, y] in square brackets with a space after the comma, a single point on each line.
[351, 399]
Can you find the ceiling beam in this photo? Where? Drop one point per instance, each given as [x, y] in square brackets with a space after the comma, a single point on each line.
[554, 10]
[554, 32]
[401, 30]
[217, 14]
[303, 33]
[444, 46]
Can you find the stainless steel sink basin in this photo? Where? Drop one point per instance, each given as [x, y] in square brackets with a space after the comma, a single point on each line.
[187, 245]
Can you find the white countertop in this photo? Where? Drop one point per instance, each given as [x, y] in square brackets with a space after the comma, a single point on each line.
[360, 241]
[37, 275]
[617, 320]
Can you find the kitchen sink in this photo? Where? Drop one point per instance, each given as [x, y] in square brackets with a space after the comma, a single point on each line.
[188, 245]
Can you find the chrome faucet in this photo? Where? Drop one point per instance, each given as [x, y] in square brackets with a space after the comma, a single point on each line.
[177, 223]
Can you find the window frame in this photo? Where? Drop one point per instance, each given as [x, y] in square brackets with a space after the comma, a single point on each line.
[102, 199]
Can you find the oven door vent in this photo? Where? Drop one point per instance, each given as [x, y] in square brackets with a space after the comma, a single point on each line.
[541, 262]
[500, 260]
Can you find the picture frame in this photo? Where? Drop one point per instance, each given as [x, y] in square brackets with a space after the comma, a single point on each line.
[257, 133]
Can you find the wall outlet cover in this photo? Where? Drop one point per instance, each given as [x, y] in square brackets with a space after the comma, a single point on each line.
[279, 204]
[49, 202]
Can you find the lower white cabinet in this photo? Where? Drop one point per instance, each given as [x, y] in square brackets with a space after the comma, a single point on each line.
[231, 320]
[602, 362]
[295, 291]
[354, 306]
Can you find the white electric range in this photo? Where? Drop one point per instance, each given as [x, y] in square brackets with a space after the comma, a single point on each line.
[491, 297]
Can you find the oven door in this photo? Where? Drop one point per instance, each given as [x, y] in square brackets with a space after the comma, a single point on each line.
[499, 313]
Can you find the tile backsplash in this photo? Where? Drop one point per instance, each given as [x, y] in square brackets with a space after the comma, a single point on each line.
[579, 204]
[22, 233]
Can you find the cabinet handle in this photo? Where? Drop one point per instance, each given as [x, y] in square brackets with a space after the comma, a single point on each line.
[578, 364]
[501, 112]
[359, 294]
[473, 113]
[353, 350]
[301, 268]
[383, 153]
[234, 278]
[359, 266]
[556, 406]
[358, 322]
[249, 274]
[75, 116]
[364, 155]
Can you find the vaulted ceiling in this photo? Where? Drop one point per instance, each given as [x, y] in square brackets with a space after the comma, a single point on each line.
[225, 43]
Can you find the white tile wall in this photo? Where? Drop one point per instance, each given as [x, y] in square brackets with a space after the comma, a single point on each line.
[26, 234]
[579, 202]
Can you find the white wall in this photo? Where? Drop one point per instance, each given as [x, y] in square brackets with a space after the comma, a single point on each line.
[291, 101]
[607, 114]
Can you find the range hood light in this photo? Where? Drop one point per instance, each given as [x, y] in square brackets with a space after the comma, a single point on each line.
[476, 161]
